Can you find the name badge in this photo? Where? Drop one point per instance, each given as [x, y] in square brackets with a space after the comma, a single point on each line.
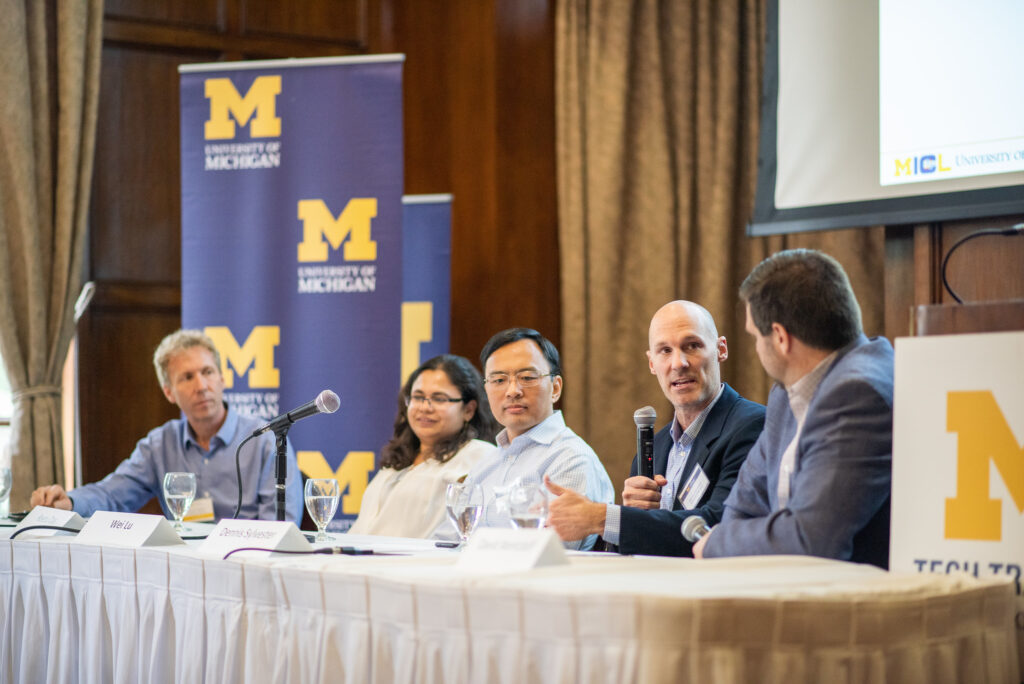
[694, 488]
[201, 510]
[267, 535]
[55, 517]
[128, 529]
[500, 550]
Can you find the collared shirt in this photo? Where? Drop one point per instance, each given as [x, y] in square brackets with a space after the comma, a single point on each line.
[800, 394]
[682, 444]
[548, 448]
[172, 448]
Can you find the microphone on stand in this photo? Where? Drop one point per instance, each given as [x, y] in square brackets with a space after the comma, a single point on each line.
[693, 528]
[644, 419]
[325, 402]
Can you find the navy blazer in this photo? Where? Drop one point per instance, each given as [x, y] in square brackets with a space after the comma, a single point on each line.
[839, 491]
[728, 433]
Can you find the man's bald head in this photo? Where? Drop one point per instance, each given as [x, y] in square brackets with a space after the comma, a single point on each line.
[685, 353]
[693, 311]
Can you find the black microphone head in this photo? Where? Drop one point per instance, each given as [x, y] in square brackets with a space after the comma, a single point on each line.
[327, 401]
[645, 417]
[691, 526]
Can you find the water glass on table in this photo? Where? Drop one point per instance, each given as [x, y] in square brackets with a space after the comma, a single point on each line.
[179, 491]
[321, 502]
[528, 506]
[464, 503]
[5, 490]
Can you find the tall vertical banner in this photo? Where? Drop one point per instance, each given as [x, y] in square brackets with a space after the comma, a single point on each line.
[291, 178]
[426, 278]
[958, 458]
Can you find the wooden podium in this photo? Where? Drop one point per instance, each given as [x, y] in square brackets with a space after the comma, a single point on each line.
[947, 319]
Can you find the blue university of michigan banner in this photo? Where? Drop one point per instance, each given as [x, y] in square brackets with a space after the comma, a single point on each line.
[426, 278]
[291, 178]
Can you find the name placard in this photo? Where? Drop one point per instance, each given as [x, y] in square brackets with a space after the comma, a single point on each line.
[43, 515]
[957, 450]
[128, 529]
[495, 549]
[275, 535]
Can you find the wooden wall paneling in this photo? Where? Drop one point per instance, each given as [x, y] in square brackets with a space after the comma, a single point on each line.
[527, 201]
[479, 123]
[899, 280]
[198, 14]
[986, 269]
[480, 285]
[119, 398]
[136, 201]
[324, 20]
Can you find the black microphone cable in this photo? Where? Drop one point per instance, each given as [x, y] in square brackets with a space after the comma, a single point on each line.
[44, 527]
[326, 551]
[238, 473]
[1017, 229]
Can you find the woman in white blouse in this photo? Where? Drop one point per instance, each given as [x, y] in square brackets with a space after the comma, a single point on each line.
[444, 426]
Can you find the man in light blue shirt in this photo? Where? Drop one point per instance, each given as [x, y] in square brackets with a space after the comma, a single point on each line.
[204, 442]
[522, 374]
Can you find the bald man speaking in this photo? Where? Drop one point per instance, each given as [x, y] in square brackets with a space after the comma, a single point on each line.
[697, 456]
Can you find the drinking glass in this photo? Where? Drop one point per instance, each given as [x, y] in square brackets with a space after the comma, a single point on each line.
[179, 490]
[464, 503]
[5, 489]
[528, 506]
[321, 502]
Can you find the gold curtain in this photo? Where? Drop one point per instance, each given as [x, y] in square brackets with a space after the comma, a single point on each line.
[49, 77]
[657, 123]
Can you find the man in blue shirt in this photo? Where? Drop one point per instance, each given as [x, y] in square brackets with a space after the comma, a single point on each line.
[204, 442]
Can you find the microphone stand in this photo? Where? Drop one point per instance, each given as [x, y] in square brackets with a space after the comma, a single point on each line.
[281, 469]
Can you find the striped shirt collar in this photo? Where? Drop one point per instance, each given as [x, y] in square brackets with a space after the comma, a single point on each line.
[690, 433]
[802, 391]
[543, 432]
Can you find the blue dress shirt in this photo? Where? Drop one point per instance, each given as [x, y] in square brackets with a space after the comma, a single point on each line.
[171, 448]
[548, 448]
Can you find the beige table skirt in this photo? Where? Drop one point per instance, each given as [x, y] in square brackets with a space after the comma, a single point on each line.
[73, 612]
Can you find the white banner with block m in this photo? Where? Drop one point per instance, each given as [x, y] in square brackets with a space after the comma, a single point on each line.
[958, 460]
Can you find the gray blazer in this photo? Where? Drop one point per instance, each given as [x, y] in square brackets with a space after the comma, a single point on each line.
[839, 492]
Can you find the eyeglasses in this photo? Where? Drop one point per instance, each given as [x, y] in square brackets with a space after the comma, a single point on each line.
[524, 378]
[440, 400]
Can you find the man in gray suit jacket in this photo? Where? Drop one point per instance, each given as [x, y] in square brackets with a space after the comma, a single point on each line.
[817, 481]
[696, 456]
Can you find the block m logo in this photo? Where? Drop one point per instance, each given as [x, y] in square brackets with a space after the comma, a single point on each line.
[352, 475]
[258, 352]
[983, 435]
[260, 100]
[354, 223]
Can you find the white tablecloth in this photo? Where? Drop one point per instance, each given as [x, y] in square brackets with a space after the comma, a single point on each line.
[73, 612]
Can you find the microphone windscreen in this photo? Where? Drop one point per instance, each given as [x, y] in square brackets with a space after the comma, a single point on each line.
[327, 401]
[645, 417]
[692, 526]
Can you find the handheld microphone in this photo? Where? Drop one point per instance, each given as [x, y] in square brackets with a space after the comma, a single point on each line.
[693, 528]
[325, 402]
[644, 419]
